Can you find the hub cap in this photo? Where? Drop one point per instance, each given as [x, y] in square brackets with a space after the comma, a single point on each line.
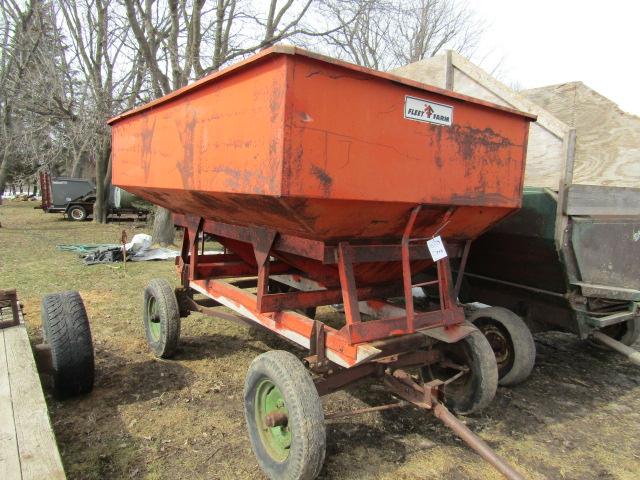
[269, 400]
[499, 344]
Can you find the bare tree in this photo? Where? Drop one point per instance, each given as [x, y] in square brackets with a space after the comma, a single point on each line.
[33, 97]
[20, 39]
[181, 41]
[366, 31]
[430, 25]
[100, 38]
[383, 34]
[66, 66]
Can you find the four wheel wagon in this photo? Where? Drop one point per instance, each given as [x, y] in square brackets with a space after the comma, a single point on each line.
[327, 183]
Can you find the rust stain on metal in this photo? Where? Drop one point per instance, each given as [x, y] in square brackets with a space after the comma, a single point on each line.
[323, 177]
[469, 139]
[185, 165]
[146, 135]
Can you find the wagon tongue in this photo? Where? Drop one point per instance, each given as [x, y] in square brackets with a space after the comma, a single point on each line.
[427, 396]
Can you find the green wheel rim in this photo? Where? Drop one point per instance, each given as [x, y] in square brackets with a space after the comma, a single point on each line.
[277, 440]
[154, 319]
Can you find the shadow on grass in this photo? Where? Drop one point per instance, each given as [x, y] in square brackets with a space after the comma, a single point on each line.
[571, 380]
[213, 346]
[94, 441]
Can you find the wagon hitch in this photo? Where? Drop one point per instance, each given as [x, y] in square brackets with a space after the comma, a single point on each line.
[630, 353]
[428, 396]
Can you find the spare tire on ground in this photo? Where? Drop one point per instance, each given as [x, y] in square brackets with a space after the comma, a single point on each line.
[66, 332]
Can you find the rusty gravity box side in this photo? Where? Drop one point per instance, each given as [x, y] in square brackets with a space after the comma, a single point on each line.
[349, 138]
[225, 136]
[321, 149]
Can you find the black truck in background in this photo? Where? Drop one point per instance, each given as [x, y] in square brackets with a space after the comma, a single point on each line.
[74, 197]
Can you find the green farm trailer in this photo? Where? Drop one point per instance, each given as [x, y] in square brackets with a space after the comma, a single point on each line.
[569, 264]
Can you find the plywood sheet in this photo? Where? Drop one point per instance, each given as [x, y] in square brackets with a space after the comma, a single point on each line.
[607, 138]
[431, 71]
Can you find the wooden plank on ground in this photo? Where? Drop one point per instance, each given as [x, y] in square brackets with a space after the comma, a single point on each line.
[9, 459]
[37, 448]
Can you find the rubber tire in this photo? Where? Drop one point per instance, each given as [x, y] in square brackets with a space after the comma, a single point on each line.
[470, 395]
[628, 336]
[306, 417]
[66, 329]
[520, 340]
[169, 316]
[83, 213]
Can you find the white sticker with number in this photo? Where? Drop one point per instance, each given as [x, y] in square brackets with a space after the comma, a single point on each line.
[436, 248]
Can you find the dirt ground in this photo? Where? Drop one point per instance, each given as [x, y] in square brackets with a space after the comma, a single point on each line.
[577, 417]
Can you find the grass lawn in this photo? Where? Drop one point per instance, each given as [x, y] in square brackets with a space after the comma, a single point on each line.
[577, 417]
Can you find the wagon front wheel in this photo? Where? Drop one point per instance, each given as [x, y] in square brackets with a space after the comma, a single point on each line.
[161, 318]
[473, 360]
[284, 417]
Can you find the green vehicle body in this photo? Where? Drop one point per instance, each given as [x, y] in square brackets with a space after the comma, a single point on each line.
[572, 267]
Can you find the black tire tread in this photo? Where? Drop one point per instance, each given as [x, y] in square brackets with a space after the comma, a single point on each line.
[521, 338]
[471, 397]
[284, 369]
[67, 331]
[486, 359]
[169, 311]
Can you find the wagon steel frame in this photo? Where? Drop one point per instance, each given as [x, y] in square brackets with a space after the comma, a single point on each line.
[352, 344]
[396, 339]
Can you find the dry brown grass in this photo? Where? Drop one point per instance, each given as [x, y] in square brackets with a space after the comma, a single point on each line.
[576, 418]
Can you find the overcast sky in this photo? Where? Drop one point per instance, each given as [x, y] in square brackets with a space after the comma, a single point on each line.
[544, 42]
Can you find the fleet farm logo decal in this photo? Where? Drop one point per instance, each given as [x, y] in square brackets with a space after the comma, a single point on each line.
[427, 111]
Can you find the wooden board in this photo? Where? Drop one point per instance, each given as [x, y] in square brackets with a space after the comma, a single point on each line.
[29, 449]
[432, 71]
[9, 459]
[608, 139]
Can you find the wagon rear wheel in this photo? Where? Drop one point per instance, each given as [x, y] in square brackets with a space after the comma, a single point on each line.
[161, 318]
[284, 417]
[475, 388]
[510, 340]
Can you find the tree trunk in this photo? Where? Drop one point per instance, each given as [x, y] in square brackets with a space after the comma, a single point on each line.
[163, 230]
[6, 157]
[103, 181]
[78, 163]
[4, 171]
